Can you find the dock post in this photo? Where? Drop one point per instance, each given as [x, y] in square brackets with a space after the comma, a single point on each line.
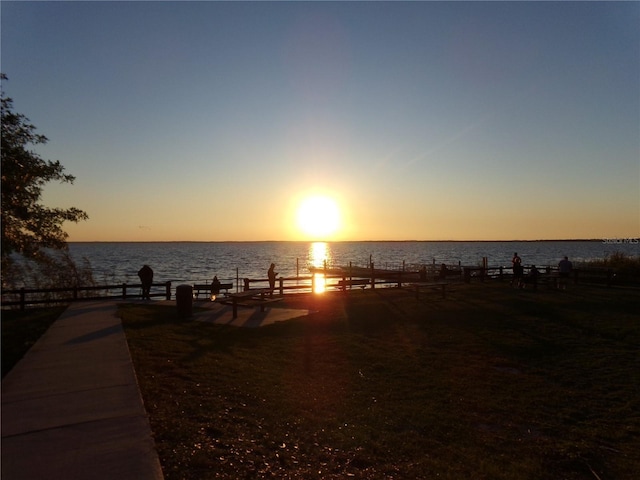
[373, 276]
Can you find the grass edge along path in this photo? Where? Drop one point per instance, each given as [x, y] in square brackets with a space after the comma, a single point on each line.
[22, 329]
[490, 383]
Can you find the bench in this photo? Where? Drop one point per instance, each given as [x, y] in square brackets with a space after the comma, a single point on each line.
[206, 289]
[442, 286]
[550, 280]
[362, 283]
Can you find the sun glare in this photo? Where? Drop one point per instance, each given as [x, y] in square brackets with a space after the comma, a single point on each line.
[318, 217]
[318, 257]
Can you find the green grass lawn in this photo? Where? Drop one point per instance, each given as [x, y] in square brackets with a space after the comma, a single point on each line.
[491, 383]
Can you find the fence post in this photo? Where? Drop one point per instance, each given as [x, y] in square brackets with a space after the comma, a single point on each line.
[324, 278]
[501, 268]
[246, 284]
[281, 286]
[124, 291]
[168, 290]
[373, 276]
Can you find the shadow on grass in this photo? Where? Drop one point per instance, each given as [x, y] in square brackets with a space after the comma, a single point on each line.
[489, 383]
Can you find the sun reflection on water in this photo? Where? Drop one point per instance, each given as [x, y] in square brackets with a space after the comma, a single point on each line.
[319, 256]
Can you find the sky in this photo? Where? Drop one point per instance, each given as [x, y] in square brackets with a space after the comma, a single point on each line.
[213, 121]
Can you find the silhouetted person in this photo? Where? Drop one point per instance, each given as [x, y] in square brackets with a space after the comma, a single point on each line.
[215, 286]
[423, 273]
[564, 270]
[146, 278]
[443, 272]
[271, 273]
[516, 261]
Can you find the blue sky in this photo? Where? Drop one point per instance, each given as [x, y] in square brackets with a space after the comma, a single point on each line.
[423, 120]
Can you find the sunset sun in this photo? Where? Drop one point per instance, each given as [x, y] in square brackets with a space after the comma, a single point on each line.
[318, 216]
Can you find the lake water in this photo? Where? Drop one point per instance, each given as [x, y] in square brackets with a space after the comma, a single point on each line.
[198, 262]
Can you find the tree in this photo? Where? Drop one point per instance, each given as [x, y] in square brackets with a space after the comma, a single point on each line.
[28, 227]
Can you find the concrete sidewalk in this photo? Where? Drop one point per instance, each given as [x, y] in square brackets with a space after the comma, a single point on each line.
[71, 408]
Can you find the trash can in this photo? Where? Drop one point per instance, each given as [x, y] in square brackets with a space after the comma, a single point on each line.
[184, 300]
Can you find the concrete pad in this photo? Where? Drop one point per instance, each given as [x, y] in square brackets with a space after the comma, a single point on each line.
[247, 317]
[72, 408]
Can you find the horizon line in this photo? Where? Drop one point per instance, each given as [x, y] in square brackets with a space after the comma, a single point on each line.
[631, 240]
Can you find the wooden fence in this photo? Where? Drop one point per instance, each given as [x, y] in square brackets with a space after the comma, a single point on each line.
[36, 296]
[333, 281]
[579, 275]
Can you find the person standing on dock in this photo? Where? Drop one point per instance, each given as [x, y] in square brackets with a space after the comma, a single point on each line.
[423, 273]
[146, 278]
[271, 274]
[443, 272]
[516, 261]
[564, 270]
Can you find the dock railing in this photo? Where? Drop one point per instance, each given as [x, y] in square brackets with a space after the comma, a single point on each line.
[347, 277]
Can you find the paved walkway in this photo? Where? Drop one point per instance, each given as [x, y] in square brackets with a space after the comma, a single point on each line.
[71, 408]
